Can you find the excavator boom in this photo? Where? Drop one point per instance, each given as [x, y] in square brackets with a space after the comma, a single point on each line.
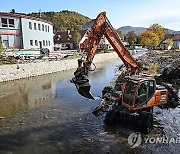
[89, 47]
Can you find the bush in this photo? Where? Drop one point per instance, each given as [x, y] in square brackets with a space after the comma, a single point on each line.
[1, 47]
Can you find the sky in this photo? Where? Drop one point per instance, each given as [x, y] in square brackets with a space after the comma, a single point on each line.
[139, 13]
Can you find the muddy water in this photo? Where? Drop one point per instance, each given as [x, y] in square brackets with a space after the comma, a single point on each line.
[46, 115]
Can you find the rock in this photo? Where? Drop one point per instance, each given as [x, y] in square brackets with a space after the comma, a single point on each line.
[46, 116]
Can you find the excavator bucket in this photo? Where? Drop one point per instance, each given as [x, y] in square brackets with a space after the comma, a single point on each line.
[84, 89]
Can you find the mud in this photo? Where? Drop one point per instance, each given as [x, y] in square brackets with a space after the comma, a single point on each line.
[45, 114]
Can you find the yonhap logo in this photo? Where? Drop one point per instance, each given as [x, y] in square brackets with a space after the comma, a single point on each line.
[134, 139]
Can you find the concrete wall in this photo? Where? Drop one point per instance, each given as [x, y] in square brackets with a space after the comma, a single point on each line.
[18, 71]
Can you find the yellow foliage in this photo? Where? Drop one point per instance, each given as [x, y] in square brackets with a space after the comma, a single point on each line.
[158, 30]
[169, 41]
[153, 69]
[1, 47]
[149, 39]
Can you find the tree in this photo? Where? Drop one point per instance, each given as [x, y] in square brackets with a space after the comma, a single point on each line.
[77, 37]
[120, 34]
[1, 47]
[132, 37]
[138, 41]
[13, 11]
[169, 43]
[149, 39]
[158, 30]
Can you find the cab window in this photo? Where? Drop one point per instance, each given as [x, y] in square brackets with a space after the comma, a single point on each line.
[145, 92]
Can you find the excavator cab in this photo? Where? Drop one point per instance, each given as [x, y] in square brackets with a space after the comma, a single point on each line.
[141, 93]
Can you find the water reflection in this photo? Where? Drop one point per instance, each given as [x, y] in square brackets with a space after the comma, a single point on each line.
[26, 94]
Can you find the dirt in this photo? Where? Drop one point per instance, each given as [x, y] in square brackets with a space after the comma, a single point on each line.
[161, 60]
[165, 66]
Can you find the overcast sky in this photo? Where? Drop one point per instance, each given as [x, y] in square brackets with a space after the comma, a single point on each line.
[142, 13]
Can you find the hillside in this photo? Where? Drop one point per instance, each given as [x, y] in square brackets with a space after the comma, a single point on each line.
[63, 20]
[138, 30]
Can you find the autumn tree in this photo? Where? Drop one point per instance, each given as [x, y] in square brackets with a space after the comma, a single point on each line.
[1, 46]
[169, 42]
[77, 37]
[149, 39]
[132, 38]
[138, 41]
[121, 35]
[158, 30]
[63, 20]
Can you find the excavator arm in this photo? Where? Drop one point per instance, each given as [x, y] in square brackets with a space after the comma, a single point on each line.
[89, 47]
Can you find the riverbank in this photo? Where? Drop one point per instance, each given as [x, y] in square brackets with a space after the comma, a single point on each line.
[19, 71]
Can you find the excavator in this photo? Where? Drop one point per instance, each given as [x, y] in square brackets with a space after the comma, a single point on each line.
[139, 93]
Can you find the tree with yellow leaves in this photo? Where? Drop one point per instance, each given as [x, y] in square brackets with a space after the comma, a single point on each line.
[158, 30]
[149, 39]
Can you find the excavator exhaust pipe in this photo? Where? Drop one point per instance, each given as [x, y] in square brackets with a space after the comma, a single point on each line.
[83, 87]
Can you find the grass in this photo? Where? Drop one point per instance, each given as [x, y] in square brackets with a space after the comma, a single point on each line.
[153, 69]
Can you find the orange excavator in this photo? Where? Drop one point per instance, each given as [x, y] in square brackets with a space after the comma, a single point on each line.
[139, 94]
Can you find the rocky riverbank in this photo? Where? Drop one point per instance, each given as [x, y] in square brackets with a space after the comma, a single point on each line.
[165, 65]
[19, 71]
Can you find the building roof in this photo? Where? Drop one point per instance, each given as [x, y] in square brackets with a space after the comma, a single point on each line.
[67, 36]
[24, 16]
[175, 37]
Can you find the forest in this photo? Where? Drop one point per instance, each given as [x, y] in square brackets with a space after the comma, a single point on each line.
[63, 20]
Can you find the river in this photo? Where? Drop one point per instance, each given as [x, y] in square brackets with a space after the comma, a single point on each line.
[45, 114]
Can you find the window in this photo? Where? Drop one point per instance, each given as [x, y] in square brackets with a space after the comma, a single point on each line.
[129, 92]
[4, 22]
[45, 28]
[48, 28]
[35, 28]
[49, 43]
[7, 22]
[39, 26]
[151, 89]
[142, 94]
[30, 25]
[43, 42]
[36, 42]
[11, 23]
[42, 27]
[31, 42]
[46, 43]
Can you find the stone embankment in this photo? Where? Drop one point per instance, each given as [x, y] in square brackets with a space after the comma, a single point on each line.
[19, 71]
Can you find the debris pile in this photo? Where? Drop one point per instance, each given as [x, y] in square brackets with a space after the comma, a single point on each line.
[168, 66]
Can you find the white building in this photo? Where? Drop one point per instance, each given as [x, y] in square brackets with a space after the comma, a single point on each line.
[25, 32]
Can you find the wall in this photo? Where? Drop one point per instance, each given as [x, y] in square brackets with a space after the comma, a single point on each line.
[18, 71]
[11, 36]
[39, 35]
[177, 44]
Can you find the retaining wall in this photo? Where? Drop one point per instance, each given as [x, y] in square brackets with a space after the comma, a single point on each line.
[18, 71]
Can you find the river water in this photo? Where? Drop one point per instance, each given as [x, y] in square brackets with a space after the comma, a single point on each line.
[45, 114]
